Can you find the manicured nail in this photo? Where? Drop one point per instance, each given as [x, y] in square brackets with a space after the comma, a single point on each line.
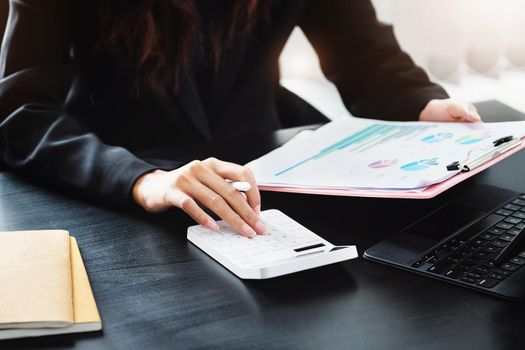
[212, 225]
[248, 231]
[257, 209]
[260, 228]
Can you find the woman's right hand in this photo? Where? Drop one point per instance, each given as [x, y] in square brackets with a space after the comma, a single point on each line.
[203, 183]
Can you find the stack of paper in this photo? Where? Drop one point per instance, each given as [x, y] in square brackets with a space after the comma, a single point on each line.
[371, 155]
[44, 287]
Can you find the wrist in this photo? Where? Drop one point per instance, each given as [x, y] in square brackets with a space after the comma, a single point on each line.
[424, 115]
[139, 190]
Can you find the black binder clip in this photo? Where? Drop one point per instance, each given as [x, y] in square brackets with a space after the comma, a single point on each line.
[453, 166]
[502, 140]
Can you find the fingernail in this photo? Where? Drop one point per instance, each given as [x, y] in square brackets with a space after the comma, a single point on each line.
[248, 231]
[257, 209]
[260, 228]
[212, 225]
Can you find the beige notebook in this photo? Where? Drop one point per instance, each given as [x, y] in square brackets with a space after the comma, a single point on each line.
[44, 287]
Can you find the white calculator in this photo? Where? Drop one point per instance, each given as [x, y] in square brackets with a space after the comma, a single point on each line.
[286, 247]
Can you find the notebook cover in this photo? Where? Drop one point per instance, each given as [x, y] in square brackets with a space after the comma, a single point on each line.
[35, 279]
[85, 312]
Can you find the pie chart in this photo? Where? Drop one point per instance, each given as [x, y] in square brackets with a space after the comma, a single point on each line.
[380, 164]
[435, 138]
[473, 138]
[420, 164]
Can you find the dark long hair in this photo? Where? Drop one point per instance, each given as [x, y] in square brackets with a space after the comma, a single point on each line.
[154, 39]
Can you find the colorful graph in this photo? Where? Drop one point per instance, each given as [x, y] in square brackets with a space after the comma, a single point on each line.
[363, 140]
[473, 138]
[435, 138]
[420, 164]
[380, 164]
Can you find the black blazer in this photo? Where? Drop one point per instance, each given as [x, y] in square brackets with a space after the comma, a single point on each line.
[84, 129]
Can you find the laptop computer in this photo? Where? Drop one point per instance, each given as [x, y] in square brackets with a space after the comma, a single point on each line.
[473, 241]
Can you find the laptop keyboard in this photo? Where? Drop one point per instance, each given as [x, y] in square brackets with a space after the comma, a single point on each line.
[468, 257]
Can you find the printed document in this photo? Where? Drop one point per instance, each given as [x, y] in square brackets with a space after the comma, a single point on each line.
[367, 154]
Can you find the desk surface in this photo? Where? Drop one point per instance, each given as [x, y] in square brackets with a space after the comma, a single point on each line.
[156, 291]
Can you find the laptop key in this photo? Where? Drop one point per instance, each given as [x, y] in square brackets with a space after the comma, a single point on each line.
[491, 249]
[519, 215]
[469, 280]
[482, 270]
[454, 273]
[479, 242]
[483, 255]
[514, 231]
[512, 207]
[439, 267]
[502, 272]
[487, 236]
[518, 260]
[496, 276]
[504, 212]
[520, 202]
[496, 230]
[488, 282]
[512, 220]
[510, 266]
[418, 263]
[474, 275]
[504, 225]
[507, 237]
[499, 243]
[520, 226]
[488, 264]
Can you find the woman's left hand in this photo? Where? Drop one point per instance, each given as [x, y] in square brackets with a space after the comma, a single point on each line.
[449, 111]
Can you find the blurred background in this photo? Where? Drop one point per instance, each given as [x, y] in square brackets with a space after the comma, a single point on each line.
[474, 48]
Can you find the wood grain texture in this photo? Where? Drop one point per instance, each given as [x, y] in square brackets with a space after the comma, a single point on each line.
[155, 290]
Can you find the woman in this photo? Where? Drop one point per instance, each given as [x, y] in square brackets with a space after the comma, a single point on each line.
[88, 84]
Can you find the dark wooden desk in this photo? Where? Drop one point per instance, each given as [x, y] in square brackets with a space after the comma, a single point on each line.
[156, 291]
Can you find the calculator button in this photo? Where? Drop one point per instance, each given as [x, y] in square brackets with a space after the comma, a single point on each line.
[265, 240]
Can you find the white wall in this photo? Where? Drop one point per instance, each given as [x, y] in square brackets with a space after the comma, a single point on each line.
[476, 48]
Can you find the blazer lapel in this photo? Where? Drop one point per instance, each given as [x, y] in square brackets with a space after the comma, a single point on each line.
[191, 104]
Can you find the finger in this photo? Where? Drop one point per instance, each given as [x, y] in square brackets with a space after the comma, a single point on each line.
[233, 197]
[219, 206]
[474, 113]
[190, 207]
[458, 112]
[238, 173]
